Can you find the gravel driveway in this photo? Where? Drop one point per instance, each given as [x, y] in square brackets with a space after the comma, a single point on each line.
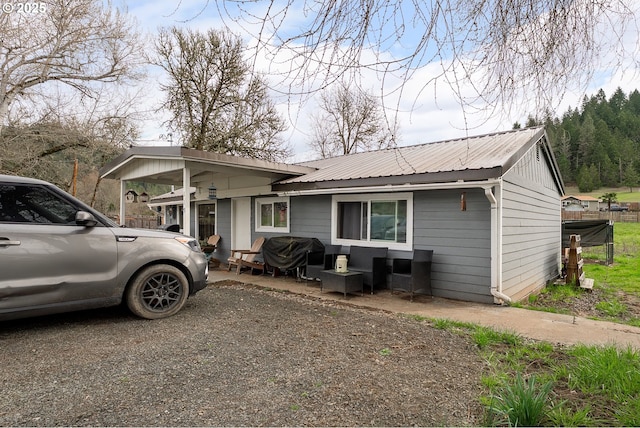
[237, 356]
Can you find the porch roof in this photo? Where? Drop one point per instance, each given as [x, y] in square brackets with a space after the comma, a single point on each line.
[164, 165]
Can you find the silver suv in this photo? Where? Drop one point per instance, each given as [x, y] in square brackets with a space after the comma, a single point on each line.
[58, 255]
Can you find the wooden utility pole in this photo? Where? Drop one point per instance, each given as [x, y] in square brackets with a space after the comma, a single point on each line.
[74, 180]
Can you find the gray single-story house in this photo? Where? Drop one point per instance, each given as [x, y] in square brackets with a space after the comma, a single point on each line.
[580, 203]
[488, 206]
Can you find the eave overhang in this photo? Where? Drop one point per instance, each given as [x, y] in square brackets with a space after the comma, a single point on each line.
[443, 178]
[201, 160]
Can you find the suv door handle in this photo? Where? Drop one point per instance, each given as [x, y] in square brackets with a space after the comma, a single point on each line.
[5, 242]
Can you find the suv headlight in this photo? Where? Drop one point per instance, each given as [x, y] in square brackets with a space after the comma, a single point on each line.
[189, 242]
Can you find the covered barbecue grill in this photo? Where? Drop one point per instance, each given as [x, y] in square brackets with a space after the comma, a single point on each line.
[289, 252]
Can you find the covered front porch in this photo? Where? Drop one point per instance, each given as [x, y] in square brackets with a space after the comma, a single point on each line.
[209, 176]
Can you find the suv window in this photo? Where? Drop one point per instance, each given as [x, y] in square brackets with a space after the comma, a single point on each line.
[33, 204]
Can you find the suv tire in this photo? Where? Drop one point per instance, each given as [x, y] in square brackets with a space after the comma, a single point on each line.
[158, 291]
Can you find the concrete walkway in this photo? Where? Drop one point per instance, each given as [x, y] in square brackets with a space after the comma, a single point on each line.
[549, 327]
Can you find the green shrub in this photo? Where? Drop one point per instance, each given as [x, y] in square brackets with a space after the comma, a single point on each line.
[521, 404]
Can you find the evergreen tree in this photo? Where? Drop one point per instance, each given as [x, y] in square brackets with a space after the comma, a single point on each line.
[598, 143]
[631, 177]
[585, 180]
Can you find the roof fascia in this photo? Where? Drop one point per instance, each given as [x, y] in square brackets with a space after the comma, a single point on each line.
[553, 163]
[542, 138]
[407, 187]
[513, 160]
[438, 178]
[192, 155]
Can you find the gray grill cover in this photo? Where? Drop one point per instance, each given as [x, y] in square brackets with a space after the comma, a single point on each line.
[289, 252]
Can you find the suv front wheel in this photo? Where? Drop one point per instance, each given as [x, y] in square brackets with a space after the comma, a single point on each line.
[158, 291]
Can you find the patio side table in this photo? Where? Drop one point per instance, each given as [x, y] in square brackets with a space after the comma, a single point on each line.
[346, 282]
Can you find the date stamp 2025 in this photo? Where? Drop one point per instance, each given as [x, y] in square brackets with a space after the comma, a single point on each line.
[23, 7]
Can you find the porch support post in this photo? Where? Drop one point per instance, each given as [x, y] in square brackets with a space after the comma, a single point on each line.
[186, 201]
[123, 190]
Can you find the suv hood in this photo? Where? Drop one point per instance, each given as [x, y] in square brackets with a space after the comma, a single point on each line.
[147, 233]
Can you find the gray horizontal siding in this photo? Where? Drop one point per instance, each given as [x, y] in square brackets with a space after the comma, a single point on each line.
[311, 217]
[531, 227]
[461, 241]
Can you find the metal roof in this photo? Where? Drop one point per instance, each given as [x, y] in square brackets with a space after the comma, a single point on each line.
[473, 158]
[580, 198]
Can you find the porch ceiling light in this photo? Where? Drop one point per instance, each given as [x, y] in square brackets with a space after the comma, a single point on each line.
[213, 192]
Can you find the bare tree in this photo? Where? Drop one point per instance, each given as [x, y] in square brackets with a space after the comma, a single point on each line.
[216, 103]
[63, 131]
[73, 43]
[498, 52]
[48, 148]
[350, 121]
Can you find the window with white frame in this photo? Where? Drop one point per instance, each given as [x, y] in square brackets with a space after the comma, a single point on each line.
[272, 215]
[377, 219]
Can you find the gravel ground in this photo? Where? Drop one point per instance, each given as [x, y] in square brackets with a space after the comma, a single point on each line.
[237, 356]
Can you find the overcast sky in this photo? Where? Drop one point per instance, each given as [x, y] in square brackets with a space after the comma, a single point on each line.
[432, 115]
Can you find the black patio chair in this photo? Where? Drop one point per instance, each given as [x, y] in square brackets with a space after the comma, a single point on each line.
[317, 261]
[413, 275]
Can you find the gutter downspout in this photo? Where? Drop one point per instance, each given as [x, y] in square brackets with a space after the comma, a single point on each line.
[496, 242]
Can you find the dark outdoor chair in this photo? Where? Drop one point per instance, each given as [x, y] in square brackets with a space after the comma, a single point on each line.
[372, 263]
[413, 275]
[317, 261]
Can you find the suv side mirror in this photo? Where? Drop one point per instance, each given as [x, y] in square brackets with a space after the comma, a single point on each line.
[84, 218]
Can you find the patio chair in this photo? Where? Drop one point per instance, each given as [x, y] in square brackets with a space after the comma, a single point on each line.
[413, 275]
[210, 247]
[246, 258]
[372, 263]
[317, 261]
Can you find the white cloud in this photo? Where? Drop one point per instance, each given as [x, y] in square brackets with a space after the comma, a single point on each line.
[425, 112]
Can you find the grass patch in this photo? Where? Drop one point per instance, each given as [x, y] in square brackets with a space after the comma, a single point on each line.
[385, 352]
[533, 383]
[612, 308]
[606, 370]
[562, 292]
[616, 285]
[562, 416]
[623, 274]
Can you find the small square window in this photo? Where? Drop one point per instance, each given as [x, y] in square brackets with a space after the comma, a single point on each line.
[272, 215]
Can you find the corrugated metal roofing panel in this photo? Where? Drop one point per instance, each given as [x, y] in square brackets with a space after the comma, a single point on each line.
[473, 153]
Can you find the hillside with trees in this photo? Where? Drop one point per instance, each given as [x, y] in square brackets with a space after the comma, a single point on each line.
[598, 144]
